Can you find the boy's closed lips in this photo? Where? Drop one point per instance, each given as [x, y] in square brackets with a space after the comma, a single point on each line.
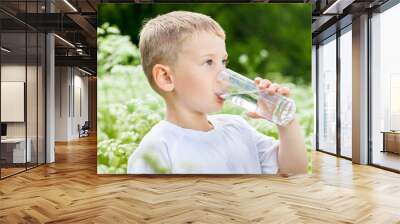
[220, 99]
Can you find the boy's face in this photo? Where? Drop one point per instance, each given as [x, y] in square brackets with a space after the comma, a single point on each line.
[200, 59]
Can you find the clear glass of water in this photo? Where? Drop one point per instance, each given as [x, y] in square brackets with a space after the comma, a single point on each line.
[243, 92]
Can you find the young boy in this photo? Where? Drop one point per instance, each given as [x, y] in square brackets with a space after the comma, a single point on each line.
[182, 53]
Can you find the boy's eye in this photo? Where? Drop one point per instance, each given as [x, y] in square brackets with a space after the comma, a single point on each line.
[209, 62]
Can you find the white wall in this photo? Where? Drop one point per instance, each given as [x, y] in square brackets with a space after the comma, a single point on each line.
[61, 103]
[70, 83]
[80, 102]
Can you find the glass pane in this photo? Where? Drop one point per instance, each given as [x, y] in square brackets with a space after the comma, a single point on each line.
[386, 89]
[14, 153]
[16, 8]
[31, 97]
[22, 63]
[41, 98]
[346, 94]
[31, 84]
[327, 96]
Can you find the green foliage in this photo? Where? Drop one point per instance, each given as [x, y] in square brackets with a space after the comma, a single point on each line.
[128, 108]
[111, 53]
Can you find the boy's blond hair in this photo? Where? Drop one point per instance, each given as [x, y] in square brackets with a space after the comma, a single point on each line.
[162, 36]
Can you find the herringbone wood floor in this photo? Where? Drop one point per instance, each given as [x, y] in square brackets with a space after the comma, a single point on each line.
[70, 191]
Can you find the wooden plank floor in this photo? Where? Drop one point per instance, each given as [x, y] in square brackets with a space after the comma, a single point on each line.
[70, 191]
[10, 171]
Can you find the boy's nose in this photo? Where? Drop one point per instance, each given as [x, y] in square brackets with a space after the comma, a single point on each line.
[222, 80]
[220, 73]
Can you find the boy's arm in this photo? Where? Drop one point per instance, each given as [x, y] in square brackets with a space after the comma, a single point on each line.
[292, 157]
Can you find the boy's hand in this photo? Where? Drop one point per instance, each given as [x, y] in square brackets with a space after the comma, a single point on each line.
[266, 86]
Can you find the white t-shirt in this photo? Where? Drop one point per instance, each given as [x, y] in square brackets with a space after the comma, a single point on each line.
[231, 147]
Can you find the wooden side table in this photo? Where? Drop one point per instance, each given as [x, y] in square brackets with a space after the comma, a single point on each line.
[391, 141]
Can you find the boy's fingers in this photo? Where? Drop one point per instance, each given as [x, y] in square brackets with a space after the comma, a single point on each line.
[272, 88]
[284, 91]
[265, 83]
[262, 84]
[257, 80]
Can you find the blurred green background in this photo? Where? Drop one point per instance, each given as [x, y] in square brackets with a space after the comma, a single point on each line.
[269, 40]
[282, 30]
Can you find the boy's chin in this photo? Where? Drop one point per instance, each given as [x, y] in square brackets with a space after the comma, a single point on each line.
[209, 108]
[215, 109]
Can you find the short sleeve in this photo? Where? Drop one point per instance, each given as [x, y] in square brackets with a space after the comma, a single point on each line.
[267, 149]
[267, 153]
[149, 158]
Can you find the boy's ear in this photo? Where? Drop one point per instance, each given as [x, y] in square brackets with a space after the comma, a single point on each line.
[162, 77]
